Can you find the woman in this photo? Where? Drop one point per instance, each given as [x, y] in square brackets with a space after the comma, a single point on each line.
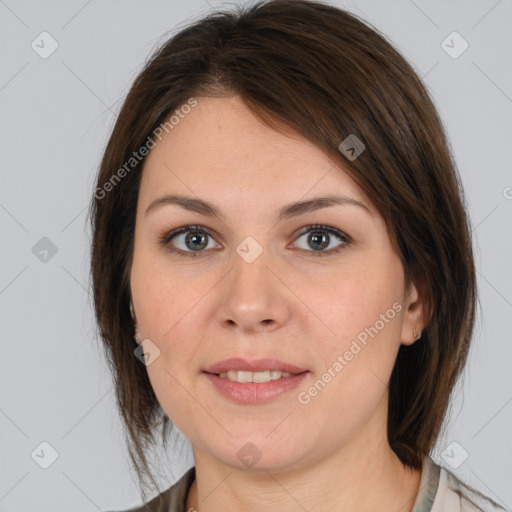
[282, 267]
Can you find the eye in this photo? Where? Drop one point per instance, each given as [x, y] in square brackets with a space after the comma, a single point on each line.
[193, 240]
[320, 237]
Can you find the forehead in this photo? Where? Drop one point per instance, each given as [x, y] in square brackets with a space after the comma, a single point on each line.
[221, 149]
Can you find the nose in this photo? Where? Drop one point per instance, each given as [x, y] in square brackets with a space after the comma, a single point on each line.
[254, 296]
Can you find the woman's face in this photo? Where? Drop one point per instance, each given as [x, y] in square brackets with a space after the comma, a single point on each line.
[328, 300]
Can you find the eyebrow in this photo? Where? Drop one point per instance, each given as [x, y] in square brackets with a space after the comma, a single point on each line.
[286, 212]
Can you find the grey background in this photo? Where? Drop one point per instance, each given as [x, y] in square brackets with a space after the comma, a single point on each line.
[56, 115]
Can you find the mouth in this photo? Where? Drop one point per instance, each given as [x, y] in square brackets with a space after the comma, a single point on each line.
[254, 381]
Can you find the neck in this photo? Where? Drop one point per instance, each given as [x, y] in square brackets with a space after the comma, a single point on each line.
[349, 481]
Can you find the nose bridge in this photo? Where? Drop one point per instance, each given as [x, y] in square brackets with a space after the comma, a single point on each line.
[253, 295]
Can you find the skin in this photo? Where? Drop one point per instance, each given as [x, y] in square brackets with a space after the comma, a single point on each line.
[331, 453]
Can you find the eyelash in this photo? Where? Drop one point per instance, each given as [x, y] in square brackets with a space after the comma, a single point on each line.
[165, 239]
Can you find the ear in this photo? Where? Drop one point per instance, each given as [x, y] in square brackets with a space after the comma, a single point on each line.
[137, 335]
[414, 315]
[132, 312]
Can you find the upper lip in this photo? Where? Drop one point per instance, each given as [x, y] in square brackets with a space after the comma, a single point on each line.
[254, 365]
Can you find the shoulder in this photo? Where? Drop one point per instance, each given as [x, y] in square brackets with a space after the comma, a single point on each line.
[457, 496]
[173, 499]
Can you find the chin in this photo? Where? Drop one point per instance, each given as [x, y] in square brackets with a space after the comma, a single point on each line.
[260, 454]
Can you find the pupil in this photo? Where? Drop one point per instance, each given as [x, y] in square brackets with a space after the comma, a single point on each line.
[194, 236]
[319, 237]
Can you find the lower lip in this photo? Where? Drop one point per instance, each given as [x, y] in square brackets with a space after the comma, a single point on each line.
[255, 393]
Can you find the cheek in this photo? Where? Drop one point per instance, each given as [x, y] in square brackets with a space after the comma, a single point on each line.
[173, 371]
[363, 312]
[166, 308]
[165, 297]
[351, 306]
[356, 365]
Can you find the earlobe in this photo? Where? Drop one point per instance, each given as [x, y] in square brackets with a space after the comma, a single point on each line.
[410, 337]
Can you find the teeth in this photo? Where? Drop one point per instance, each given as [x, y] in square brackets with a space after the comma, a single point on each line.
[243, 376]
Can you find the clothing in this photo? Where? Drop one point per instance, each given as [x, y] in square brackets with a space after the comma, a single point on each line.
[439, 491]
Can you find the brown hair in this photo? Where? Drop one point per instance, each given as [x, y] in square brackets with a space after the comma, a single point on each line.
[326, 74]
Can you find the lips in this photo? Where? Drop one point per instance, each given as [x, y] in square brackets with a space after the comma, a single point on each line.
[255, 365]
[252, 393]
